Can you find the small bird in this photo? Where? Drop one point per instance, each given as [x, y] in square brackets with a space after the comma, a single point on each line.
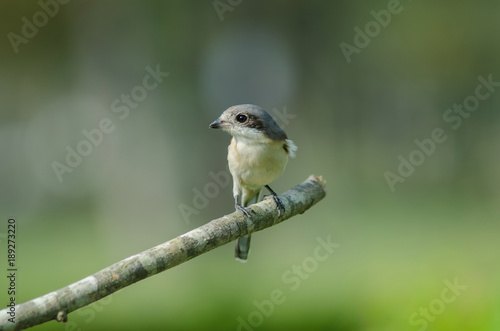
[257, 155]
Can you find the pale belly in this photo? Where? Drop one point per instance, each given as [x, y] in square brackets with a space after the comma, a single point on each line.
[256, 165]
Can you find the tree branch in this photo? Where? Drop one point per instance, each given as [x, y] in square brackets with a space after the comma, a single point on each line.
[57, 304]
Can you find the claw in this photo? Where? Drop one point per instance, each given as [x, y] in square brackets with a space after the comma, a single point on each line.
[279, 205]
[277, 201]
[244, 210]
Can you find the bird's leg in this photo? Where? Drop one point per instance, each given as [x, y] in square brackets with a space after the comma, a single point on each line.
[277, 201]
[244, 210]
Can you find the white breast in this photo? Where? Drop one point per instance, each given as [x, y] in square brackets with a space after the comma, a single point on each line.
[256, 164]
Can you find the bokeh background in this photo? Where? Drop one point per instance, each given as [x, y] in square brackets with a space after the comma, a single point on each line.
[350, 120]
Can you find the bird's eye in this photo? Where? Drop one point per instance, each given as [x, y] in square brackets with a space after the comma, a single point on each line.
[241, 118]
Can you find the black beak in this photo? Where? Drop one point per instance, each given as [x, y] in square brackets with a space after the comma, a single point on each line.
[218, 124]
[215, 124]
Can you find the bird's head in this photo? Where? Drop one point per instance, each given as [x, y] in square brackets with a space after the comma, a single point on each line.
[249, 122]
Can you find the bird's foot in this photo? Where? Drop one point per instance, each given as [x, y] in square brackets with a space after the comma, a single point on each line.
[244, 210]
[277, 201]
[279, 205]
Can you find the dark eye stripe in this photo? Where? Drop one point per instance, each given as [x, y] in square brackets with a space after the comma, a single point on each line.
[255, 124]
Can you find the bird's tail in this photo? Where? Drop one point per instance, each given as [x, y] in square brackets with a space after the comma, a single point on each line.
[242, 248]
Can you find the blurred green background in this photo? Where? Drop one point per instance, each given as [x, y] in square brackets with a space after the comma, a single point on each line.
[350, 120]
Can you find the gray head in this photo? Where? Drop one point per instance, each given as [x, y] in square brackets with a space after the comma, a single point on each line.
[249, 121]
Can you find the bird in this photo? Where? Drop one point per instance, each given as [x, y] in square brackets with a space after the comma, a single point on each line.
[257, 155]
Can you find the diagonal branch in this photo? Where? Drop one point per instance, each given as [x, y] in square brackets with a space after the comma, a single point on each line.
[56, 305]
